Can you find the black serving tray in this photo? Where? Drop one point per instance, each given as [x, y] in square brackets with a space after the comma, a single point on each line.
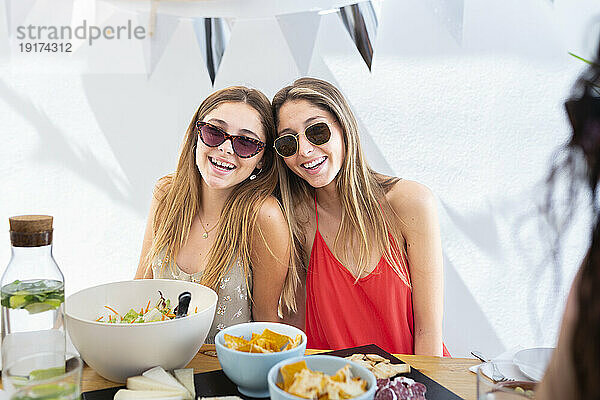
[435, 391]
[215, 383]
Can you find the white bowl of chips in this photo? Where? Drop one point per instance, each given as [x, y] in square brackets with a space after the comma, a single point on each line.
[319, 375]
[248, 370]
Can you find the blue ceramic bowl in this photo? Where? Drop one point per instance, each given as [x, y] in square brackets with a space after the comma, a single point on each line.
[327, 364]
[249, 370]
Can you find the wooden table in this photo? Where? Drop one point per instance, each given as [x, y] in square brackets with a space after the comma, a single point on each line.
[453, 373]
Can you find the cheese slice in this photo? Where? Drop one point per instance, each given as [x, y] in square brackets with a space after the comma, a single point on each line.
[220, 398]
[125, 394]
[186, 378]
[160, 375]
[144, 383]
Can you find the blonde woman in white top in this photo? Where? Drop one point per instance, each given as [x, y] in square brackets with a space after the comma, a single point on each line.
[215, 220]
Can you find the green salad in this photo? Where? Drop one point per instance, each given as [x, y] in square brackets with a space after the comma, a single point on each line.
[161, 311]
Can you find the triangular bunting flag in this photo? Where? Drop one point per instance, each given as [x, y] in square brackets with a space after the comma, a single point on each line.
[361, 23]
[7, 12]
[450, 14]
[4, 42]
[213, 36]
[16, 14]
[84, 11]
[300, 31]
[163, 28]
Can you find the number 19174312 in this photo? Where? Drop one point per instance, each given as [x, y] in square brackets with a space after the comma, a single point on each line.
[45, 47]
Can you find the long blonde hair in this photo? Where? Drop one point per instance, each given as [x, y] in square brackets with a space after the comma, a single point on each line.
[179, 201]
[359, 188]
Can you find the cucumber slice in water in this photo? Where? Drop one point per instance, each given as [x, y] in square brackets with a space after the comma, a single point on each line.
[53, 390]
[53, 302]
[47, 373]
[36, 308]
[17, 301]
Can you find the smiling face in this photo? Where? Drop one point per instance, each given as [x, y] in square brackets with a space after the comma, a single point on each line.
[317, 165]
[219, 166]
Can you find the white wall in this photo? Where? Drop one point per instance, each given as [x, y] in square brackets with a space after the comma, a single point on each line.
[476, 120]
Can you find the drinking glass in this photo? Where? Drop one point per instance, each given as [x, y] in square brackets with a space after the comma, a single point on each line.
[44, 376]
[487, 389]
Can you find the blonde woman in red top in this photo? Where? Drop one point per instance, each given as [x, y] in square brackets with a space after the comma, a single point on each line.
[371, 243]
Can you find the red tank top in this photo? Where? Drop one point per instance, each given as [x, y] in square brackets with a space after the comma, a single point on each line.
[341, 312]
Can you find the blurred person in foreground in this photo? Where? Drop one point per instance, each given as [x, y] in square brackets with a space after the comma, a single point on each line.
[574, 371]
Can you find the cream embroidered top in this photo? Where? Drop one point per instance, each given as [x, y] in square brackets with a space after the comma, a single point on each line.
[233, 305]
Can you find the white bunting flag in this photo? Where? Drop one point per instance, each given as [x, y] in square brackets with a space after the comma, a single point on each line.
[163, 27]
[450, 14]
[300, 31]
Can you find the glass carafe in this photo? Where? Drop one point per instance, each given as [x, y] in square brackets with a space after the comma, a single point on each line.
[31, 292]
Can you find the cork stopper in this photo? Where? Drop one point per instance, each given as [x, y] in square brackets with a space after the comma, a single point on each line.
[30, 230]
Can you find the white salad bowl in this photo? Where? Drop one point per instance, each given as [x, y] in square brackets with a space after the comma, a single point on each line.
[118, 351]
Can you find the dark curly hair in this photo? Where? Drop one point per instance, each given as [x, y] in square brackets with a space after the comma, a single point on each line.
[581, 161]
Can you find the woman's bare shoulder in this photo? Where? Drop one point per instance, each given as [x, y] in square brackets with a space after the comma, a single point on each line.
[271, 212]
[271, 225]
[409, 198]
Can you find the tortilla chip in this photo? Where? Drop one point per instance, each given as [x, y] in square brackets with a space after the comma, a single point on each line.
[297, 340]
[342, 375]
[266, 342]
[277, 339]
[352, 388]
[236, 343]
[307, 384]
[302, 382]
[288, 371]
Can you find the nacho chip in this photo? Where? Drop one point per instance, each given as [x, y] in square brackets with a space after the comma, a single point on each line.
[267, 342]
[307, 384]
[261, 345]
[277, 339]
[342, 375]
[236, 343]
[288, 371]
[297, 340]
[302, 382]
[352, 388]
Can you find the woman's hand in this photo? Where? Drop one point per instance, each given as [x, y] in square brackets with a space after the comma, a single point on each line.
[270, 259]
[416, 208]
